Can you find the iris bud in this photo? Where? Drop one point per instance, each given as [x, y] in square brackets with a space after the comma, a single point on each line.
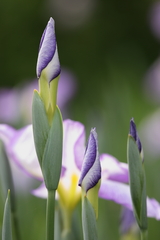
[91, 171]
[48, 60]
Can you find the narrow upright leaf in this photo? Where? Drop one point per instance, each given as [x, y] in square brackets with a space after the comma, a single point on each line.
[137, 183]
[6, 176]
[40, 125]
[7, 225]
[88, 221]
[52, 158]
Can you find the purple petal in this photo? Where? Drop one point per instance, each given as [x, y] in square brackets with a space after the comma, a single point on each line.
[91, 169]
[112, 169]
[120, 193]
[9, 100]
[6, 133]
[43, 35]
[133, 131]
[90, 157]
[117, 192]
[22, 151]
[153, 208]
[40, 191]
[20, 148]
[67, 88]
[48, 55]
[79, 149]
[127, 220]
[47, 47]
[72, 133]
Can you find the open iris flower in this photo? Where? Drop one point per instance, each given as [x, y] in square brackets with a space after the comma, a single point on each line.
[114, 176]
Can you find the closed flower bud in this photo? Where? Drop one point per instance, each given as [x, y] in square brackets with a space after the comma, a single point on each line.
[48, 60]
[91, 169]
[134, 134]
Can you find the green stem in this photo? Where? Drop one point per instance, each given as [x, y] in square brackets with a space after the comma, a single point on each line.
[50, 215]
[144, 235]
[67, 216]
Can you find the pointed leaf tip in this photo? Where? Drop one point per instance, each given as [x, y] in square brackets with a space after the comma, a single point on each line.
[7, 225]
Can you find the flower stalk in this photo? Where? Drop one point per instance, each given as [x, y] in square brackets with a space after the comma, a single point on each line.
[137, 178]
[50, 215]
[66, 218]
[47, 120]
[144, 235]
[90, 183]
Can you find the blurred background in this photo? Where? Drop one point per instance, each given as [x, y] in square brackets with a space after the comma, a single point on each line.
[110, 53]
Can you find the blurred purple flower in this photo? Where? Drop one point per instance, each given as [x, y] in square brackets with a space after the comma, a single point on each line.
[128, 224]
[67, 88]
[152, 82]
[149, 130]
[16, 103]
[8, 105]
[20, 148]
[154, 19]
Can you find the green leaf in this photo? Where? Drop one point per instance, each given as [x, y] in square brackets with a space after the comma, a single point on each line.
[143, 221]
[67, 236]
[7, 226]
[88, 221]
[137, 182]
[40, 125]
[7, 183]
[6, 176]
[52, 158]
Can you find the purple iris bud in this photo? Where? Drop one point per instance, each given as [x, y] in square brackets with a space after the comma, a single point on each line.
[91, 168]
[48, 59]
[134, 134]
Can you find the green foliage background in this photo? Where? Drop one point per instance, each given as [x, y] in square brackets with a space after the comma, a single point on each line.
[109, 53]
